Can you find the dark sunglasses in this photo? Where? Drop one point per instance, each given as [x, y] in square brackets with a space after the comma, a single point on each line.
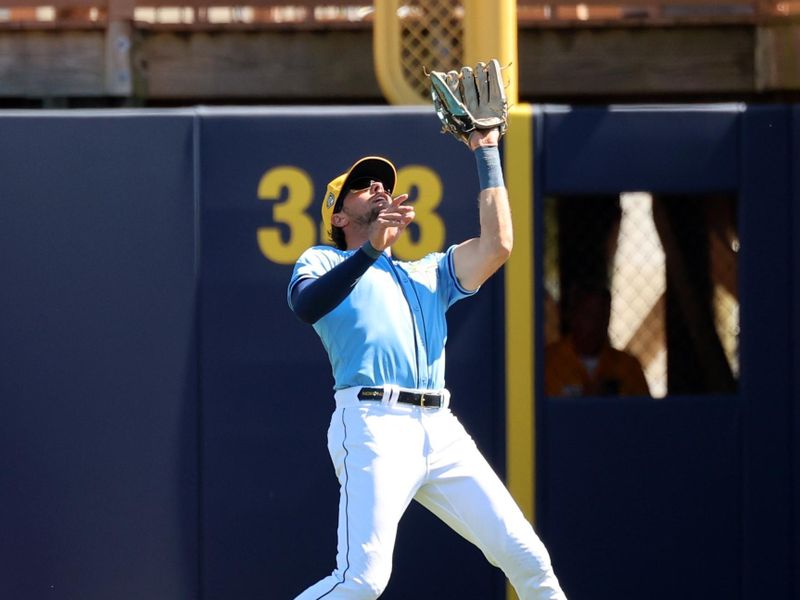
[362, 184]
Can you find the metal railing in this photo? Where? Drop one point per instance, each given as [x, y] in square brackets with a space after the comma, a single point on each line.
[360, 14]
[651, 12]
[266, 13]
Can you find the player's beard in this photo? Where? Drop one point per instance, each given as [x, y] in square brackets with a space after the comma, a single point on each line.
[367, 219]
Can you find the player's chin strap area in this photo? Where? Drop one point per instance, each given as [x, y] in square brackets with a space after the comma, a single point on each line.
[392, 395]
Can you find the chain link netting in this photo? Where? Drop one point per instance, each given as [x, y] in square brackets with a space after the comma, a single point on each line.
[432, 38]
[638, 287]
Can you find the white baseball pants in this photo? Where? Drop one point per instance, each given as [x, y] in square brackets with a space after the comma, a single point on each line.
[385, 455]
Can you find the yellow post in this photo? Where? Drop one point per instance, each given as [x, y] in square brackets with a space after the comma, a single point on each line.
[519, 351]
[490, 31]
[387, 51]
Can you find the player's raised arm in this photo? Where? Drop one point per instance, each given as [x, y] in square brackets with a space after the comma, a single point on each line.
[475, 260]
[472, 106]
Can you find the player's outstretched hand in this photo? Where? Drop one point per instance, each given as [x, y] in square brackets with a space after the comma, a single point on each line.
[390, 223]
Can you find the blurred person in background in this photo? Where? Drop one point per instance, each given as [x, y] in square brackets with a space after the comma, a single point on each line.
[583, 362]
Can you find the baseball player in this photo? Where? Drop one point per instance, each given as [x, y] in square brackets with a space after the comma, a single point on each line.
[392, 437]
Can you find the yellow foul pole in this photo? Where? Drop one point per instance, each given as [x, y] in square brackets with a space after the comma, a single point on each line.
[490, 31]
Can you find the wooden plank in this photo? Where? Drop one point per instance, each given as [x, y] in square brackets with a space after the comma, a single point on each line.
[119, 76]
[271, 66]
[778, 57]
[46, 64]
[672, 61]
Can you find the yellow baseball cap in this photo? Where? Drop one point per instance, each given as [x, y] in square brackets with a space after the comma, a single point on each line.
[374, 167]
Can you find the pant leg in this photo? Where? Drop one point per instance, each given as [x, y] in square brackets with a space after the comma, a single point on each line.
[463, 490]
[378, 458]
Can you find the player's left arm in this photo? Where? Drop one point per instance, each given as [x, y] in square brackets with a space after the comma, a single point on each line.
[477, 259]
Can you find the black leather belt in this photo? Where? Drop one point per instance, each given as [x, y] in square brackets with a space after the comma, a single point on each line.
[423, 399]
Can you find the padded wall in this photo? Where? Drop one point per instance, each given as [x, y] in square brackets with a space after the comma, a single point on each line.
[98, 373]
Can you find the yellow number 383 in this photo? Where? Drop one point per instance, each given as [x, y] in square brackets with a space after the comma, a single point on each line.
[283, 245]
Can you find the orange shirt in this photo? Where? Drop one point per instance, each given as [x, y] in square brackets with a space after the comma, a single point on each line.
[617, 373]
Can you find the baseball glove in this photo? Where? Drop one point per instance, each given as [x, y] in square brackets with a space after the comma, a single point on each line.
[470, 100]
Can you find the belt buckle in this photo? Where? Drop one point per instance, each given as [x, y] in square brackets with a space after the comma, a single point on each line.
[429, 401]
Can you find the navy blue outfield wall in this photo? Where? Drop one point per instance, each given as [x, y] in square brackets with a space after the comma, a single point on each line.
[98, 358]
[795, 320]
[163, 415]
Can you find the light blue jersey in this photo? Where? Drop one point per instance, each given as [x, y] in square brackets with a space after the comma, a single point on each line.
[391, 328]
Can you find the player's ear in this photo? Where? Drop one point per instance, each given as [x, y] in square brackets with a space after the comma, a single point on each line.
[339, 219]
